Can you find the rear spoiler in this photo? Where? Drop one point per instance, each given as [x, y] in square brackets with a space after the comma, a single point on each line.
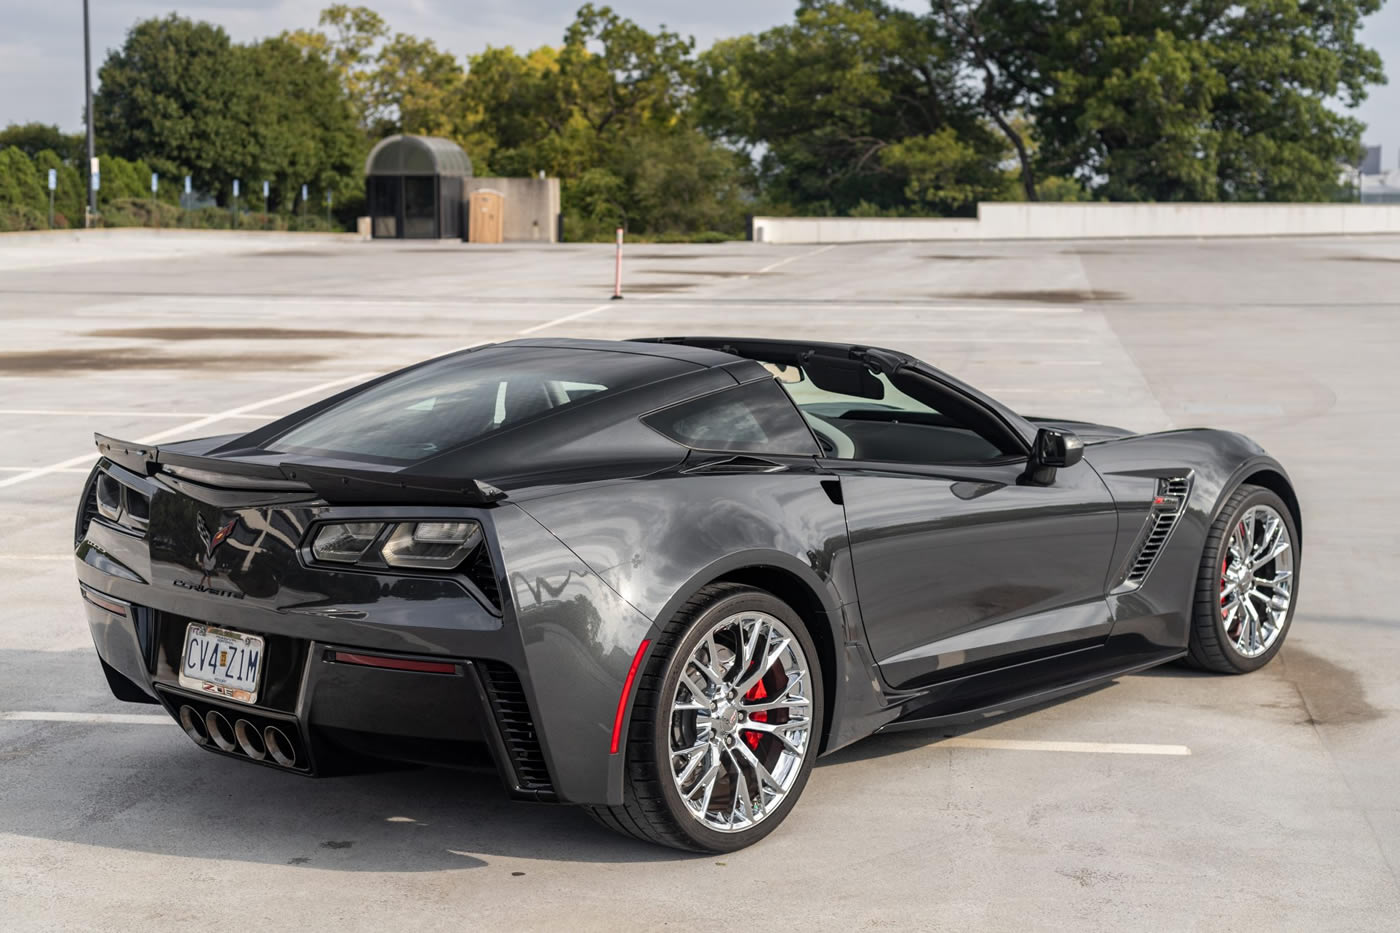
[337, 485]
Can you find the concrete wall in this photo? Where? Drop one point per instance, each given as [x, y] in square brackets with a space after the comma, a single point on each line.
[1020, 221]
[532, 206]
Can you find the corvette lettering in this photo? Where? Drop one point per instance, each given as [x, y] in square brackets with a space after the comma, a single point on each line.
[211, 590]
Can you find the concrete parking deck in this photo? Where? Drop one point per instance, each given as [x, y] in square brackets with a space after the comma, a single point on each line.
[1169, 800]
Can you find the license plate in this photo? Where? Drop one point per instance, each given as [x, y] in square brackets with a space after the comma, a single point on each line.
[222, 662]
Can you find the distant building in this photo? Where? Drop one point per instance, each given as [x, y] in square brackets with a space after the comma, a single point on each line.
[1376, 186]
[1381, 188]
[1371, 162]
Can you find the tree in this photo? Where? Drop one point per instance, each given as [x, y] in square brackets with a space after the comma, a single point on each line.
[1283, 65]
[34, 138]
[180, 95]
[821, 101]
[177, 93]
[20, 185]
[305, 132]
[1189, 100]
[609, 112]
[355, 32]
[511, 111]
[415, 88]
[635, 78]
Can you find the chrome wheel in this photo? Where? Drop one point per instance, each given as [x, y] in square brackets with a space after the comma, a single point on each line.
[1256, 581]
[740, 721]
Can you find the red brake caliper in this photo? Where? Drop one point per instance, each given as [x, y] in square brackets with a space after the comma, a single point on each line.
[758, 692]
[1224, 563]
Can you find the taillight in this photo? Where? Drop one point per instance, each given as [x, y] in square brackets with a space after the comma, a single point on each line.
[408, 545]
[120, 504]
[431, 545]
[345, 544]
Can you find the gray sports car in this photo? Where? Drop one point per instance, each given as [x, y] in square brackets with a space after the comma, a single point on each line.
[659, 578]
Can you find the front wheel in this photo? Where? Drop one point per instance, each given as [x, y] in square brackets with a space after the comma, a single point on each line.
[1248, 584]
[726, 725]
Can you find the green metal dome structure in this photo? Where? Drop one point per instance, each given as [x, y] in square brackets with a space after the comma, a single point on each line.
[413, 185]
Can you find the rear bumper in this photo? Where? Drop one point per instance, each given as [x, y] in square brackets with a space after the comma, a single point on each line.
[545, 639]
[468, 712]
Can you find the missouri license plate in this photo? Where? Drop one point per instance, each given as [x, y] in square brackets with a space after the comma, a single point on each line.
[222, 662]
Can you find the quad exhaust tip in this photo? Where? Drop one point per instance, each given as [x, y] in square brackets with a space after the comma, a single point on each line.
[250, 740]
[246, 736]
[193, 724]
[220, 730]
[280, 747]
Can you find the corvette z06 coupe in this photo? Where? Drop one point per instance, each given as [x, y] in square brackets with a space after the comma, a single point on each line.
[659, 578]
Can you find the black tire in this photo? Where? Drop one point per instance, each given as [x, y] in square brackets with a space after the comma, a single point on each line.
[1210, 650]
[652, 809]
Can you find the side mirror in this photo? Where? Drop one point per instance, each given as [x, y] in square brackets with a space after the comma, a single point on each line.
[1057, 449]
[1053, 450]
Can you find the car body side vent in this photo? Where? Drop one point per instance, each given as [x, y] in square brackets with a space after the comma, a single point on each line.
[482, 573]
[1162, 518]
[89, 510]
[517, 725]
[1175, 486]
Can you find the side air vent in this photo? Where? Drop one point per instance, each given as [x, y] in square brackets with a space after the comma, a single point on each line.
[482, 572]
[1166, 510]
[517, 727]
[89, 509]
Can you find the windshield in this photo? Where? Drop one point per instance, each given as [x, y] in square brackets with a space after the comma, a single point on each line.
[461, 399]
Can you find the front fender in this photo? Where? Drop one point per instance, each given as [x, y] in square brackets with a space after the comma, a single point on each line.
[1218, 461]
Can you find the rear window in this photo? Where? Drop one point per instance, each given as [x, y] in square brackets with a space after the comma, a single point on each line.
[757, 417]
[455, 401]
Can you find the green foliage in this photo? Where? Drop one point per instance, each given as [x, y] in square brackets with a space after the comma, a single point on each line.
[609, 113]
[945, 173]
[34, 138]
[305, 133]
[143, 212]
[854, 103]
[1188, 100]
[69, 196]
[180, 94]
[1055, 188]
[854, 107]
[20, 184]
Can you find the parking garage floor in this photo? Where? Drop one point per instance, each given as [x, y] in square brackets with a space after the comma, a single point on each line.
[1169, 800]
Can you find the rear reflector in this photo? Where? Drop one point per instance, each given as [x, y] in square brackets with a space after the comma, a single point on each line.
[393, 664]
[102, 602]
[626, 690]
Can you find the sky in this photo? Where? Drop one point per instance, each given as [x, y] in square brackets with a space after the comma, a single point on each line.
[41, 44]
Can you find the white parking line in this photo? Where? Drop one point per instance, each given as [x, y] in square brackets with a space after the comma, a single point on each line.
[28, 468]
[782, 262]
[129, 719]
[68, 412]
[783, 305]
[1093, 748]
[560, 320]
[185, 428]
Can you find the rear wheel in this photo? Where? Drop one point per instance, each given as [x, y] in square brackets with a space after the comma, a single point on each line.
[726, 724]
[1247, 588]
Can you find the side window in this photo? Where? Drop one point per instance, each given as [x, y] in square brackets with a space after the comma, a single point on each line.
[863, 416]
[757, 417]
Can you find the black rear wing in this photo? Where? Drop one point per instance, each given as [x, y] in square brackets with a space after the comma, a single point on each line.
[337, 485]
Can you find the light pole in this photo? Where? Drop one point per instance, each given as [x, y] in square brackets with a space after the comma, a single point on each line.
[91, 145]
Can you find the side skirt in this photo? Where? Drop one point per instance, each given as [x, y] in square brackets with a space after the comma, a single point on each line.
[922, 716]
